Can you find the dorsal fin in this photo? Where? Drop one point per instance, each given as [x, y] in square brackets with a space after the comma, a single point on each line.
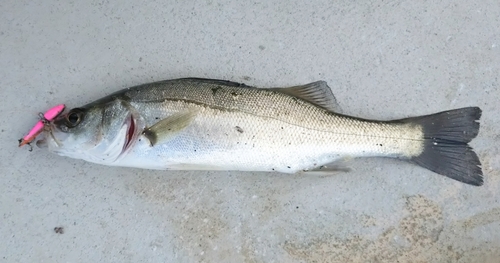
[215, 81]
[317, 93]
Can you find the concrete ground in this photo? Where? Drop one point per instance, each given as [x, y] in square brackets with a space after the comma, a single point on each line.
[382, 59]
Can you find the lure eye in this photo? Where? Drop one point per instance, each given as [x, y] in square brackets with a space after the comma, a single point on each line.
[74, 117]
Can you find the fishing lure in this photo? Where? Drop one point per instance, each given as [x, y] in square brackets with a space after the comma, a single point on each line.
[48, 116]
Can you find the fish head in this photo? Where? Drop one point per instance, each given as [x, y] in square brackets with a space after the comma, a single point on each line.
[98, 132]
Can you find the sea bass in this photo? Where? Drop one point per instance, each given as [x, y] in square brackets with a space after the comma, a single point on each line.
[205, 124]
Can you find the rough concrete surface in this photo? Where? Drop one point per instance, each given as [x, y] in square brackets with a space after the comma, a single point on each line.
[382, 59]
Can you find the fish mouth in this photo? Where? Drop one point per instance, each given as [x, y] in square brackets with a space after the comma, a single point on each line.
[48, 137]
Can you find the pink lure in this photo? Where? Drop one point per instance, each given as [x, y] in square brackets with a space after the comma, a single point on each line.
[54, 112]
[37, 129]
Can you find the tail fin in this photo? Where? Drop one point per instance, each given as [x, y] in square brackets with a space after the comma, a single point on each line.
[446, 151]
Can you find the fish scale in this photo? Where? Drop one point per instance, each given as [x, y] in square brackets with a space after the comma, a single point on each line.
[279, 138]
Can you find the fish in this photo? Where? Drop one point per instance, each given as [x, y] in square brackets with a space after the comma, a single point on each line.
[219, 125]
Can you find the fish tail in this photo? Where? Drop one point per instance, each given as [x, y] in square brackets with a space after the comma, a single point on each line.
[446, 150]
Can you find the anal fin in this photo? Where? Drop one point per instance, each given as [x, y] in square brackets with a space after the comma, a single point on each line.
[336, 166]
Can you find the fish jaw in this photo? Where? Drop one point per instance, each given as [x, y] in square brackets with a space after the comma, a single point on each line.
[56, 144]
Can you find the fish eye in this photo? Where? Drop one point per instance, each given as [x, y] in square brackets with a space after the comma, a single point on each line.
[74, 117]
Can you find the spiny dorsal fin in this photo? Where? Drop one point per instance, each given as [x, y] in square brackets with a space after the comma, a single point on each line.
[167, 128]
[215, 82]
[317, 93]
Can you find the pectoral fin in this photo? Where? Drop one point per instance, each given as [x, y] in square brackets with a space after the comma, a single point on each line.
[317, 93]
[167, 128]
